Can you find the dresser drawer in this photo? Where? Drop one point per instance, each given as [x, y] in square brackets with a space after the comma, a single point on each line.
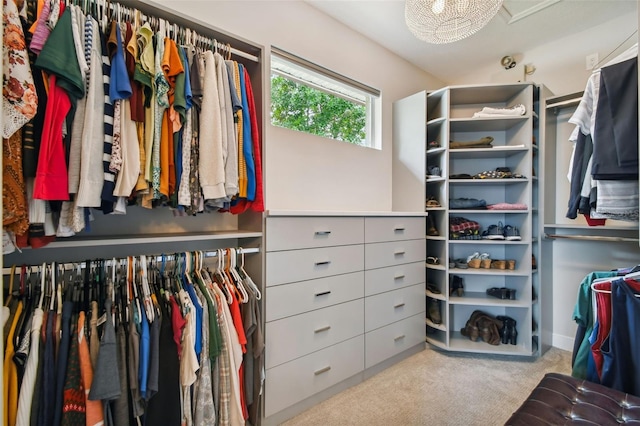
[293, 337]
[296, 298]
[393, 339]
[393, 277]
[379, 255]
[294, 381]
[298, 265]
[385, 308]
[381, 229]
[289, 233]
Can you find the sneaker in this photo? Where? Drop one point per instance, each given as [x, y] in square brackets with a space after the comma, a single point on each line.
[511, 233]
[494, 232]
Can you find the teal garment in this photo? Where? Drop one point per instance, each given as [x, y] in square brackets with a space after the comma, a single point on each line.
[583, 316]
[58, 56]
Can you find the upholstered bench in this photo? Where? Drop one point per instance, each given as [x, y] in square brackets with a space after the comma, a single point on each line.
[564, 400]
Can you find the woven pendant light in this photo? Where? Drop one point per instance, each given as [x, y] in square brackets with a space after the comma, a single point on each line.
[446, 21]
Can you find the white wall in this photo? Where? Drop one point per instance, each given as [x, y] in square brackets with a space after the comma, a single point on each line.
[304, 172]
[560, 65]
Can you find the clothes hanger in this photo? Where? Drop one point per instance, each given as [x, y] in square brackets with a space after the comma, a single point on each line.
[236, 277]
[11, 278]
[247, 278]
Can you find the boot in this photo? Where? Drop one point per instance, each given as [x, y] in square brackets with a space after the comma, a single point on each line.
[490, 329]
[433, 311]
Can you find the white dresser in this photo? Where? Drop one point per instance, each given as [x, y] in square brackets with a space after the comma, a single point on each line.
[344, 293]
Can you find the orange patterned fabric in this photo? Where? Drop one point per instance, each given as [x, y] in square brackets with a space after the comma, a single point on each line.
[15, 214]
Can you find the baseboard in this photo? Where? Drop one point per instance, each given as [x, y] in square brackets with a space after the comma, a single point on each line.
[562, 342]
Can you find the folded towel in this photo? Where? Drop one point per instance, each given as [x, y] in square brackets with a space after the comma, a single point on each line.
[515, 110]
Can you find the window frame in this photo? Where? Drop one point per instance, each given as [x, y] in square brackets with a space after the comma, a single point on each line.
[372, 96]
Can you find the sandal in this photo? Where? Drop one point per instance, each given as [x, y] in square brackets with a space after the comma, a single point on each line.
[461, 264]
[432, 260]
[432, 202]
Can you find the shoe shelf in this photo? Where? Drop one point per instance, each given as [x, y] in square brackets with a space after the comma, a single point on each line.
[436, 267]
[486, 124]
[446, 115]
[482, 299]
[431, 324]
[495, 152]
[509, 181]
[435, 151]
[460, 343]
[491, 271]
[469, 211]
[435, 295]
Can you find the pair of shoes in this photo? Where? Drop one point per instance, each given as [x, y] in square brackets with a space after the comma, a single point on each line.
[432, 231]
[460, 264]
[511, 264]
[433, 172]
[433, 311]
[432, 260]
[508, 332]
[534, 264]
[503, 293]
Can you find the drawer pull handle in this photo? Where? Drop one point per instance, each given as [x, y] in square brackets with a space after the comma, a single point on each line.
[326, 262]
[399, 305]
[398, 277]
[322, 232]
[398, 252]
[399, 229]
[322, 370]
[399, 337]
[324, 293]
[321, 329]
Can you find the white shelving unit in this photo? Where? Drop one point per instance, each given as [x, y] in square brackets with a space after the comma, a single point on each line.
[448, 114]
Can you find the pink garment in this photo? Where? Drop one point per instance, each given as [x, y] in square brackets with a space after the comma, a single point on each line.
[41, 34]
[507, 206]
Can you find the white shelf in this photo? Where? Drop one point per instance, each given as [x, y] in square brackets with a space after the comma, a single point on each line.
[487, 211]
[436, 267]
[488, 181]
[490, 242]
[495, 152]
[432, 295]
[484, 124]
[150, 239]
[438, 179]
[436, 121]
[435, 342]
[431, 324]
[492, 271]
[482, 299]
[434, 151]
[460, 343]
[485, 93]
[436, 238]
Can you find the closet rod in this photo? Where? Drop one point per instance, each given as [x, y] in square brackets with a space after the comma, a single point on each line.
[150, 12]
[158, 258]
[569, 102]
[591, 238]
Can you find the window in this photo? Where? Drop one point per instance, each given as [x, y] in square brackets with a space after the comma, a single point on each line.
[309, 98]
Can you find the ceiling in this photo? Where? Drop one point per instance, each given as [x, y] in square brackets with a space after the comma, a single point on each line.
[519, 26]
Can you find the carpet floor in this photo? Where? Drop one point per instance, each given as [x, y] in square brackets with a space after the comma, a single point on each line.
[438, 388]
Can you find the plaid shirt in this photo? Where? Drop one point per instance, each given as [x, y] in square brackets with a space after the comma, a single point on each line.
[459, 224]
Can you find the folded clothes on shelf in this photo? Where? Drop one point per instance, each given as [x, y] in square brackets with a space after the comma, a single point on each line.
[484, 142]
[507, 206]
[467, 203]
[516, 110]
